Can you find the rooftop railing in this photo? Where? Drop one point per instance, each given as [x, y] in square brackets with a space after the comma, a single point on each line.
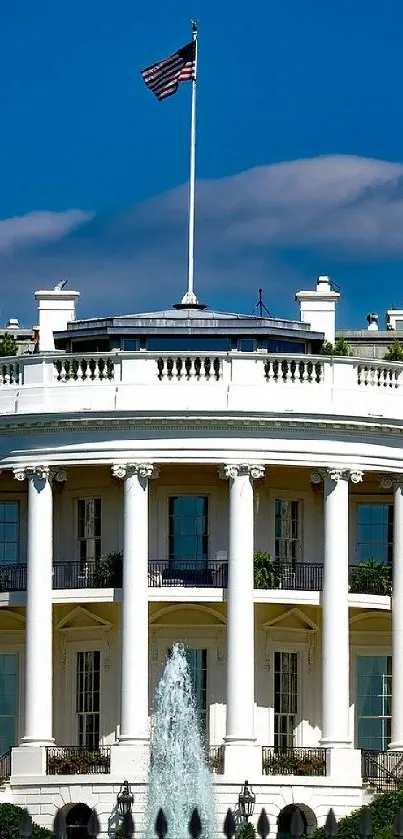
[216, 381]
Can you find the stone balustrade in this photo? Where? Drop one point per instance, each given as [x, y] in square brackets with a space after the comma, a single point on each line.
[232, 381]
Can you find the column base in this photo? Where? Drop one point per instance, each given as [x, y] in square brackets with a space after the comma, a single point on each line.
[28, 759]
[242, 759]
[131, 758]
[344, 765]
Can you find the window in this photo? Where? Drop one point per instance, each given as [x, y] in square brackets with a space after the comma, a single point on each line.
[287, 544]
[88, 698]
[9, 532]
[277, 345]
[89, 529]
[190, 343]
[285, 699]
[188, 528]
[8, 701]
[197, 661]
[374, 532]
[374, 701]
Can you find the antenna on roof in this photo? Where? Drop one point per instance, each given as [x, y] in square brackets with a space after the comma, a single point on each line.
[260, 306]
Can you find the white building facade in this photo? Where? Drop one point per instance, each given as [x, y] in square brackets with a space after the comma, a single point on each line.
[151, 467]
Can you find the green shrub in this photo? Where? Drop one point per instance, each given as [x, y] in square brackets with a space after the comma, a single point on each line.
[394, 351]
[340, 347]
[246, 831]
[265, 571]
[8, 345]
[10, 817]
[383, 810]
[371, 577]
[108, 570]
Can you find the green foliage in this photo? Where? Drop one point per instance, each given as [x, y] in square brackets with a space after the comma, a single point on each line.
[76, 762]
[108, 571]
[294, 763]
[265, 571]
[394, 351]
[10, 817]
[340, 347]
[371, 577]
[383, 810]
[246, 831]
[8, 345]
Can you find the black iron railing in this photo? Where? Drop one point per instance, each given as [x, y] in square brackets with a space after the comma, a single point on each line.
[85, 575]
[293, 761]
[187, 573]
[216, 759]
[300, 576]
[5, 766]
[382, 770]
[13, 577]
[74, 760]
[364, 578]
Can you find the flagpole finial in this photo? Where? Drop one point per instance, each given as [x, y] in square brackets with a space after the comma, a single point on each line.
[194, 28]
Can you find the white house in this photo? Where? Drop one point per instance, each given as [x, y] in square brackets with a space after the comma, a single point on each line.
[144, 460]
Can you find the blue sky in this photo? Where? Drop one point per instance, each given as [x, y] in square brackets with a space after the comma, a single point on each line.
[299, 160]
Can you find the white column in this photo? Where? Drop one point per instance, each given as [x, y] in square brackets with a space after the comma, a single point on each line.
[397, 618]
[38, 646]
[335, 633]
[240, 607]
[134, 676]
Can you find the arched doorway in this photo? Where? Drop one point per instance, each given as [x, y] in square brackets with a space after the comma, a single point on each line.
[77, 820]
[284, 821]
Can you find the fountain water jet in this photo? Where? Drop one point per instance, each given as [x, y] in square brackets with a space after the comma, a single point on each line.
[179, 777]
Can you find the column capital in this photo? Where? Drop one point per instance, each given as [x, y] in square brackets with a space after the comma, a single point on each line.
[336, 474]
[234, 470]
[142, 470]
[23, 473]
[393, 481]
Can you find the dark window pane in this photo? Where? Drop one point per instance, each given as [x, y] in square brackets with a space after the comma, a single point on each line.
[188, 528]
[191, 343]
[9, 532]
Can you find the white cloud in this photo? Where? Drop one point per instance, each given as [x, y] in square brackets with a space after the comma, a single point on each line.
[339, 210]
[38, 227]
[347, 201]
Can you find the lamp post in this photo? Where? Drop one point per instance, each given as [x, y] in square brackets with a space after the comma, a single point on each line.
[246, 801]
[125, 799]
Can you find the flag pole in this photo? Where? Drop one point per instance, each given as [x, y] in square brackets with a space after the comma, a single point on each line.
[190, 296]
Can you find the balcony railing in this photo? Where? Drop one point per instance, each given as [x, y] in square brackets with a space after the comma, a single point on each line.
[365, 578]
[5, 766]
[75, 760]
[293, 761]
[382, 770]
[216, 759]
[187, 573]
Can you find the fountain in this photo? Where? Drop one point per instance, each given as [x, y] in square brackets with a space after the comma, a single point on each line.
[180, 778]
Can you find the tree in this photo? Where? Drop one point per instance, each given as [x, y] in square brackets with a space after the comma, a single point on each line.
[8, 345]
[340, 347]
[394, 351]
[383, 810]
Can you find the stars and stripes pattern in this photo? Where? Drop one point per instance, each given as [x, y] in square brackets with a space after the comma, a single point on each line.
[164, 77]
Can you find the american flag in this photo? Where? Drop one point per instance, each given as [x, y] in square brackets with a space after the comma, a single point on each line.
[163, 78]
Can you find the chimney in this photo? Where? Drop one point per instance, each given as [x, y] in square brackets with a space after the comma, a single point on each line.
[13, 323]
[56, 309]
[318, 308]
[372, 319]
